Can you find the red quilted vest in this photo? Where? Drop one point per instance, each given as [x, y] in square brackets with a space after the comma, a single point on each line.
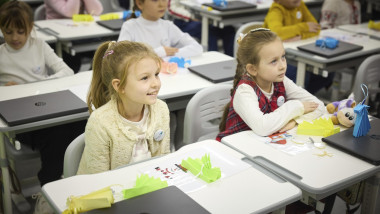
[234, 123]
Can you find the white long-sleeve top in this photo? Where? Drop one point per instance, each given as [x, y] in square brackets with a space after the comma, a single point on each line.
[339, 12]
[31, 63]
[158, 34]
[246, 105]
[59, 9]
[176, 9]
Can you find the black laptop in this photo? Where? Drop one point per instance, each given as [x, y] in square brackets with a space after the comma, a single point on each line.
[40, 107]
[231, 5]
[113, 24]
[163, 201]
[366, 147]
[216, 72]
[342, 48]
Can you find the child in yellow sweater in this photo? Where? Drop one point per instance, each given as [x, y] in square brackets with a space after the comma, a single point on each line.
[291, 20]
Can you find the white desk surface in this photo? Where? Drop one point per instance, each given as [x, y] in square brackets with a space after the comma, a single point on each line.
[249, 191]
[172, 85]
[361, 29]
[370, 46]
[317, 175]
[67, 29]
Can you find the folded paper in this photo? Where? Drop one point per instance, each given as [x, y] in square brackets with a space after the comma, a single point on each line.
[318, 127]
[202, 168]
[82, 18]
[362, 125]
[99, 199]
[144, 184]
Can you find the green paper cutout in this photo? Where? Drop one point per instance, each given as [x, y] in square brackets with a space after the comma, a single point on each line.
[144, 184]
[202, 168]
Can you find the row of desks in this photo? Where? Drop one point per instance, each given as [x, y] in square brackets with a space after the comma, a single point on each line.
[176, 90]
[265, 179]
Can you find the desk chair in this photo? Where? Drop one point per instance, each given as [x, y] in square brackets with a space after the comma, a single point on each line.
[40, 13]
[245, 28]
[110, 6]
[368, 73]
[203, 113]
[72, 157]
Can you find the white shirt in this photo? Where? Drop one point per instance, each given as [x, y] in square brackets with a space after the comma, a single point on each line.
[140, 150]
[339, 12]
[158, 34]
[246, 105]
[31, 63]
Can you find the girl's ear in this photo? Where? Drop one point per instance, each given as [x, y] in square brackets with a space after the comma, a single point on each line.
[139, 4]
[116, 84]
[251, 69]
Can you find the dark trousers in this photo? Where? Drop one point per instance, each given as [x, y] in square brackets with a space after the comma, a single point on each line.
[227, 34]
[52, 143]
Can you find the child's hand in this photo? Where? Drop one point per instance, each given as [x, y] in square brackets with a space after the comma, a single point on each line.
[291, 124]
[170, 51]
[309, 106]
[11, 83]
[313, 27]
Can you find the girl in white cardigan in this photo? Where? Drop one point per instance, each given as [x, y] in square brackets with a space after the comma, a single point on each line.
[165, 38]
[129, 123]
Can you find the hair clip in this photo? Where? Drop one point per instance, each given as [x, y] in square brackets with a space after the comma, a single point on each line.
[107, 53]
[259, 29]
[242, 35]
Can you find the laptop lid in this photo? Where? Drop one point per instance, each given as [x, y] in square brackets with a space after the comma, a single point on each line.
[342, 48]
[231, 5]
[366, 147]
[163, 201]
[40, 107]
[216, 72]
[113, 24]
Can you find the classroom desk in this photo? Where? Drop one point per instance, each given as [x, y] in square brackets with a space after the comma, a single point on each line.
[370, 47]
[317, 176]
[361, 29]
[39, 34]
[224, 18]
[176, 90]
[68, 33]
[248, 190]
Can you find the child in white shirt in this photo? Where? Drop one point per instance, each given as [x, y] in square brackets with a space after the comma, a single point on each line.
[340, 12]
[24, 58]
[165, 38]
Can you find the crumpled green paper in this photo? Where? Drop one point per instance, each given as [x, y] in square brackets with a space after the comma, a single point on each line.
[144, 184]
[202, 168]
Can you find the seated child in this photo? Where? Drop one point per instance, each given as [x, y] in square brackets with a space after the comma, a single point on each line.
[162, 35]
[129, 123]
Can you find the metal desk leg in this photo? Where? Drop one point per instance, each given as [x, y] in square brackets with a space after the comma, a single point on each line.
[204, 38]
[58, 48]
[301, 70]
[370, 194]
[5, 176]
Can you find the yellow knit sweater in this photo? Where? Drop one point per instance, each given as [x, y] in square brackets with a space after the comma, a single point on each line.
[289, 23]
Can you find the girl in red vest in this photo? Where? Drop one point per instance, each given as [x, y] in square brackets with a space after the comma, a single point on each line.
[263, 99]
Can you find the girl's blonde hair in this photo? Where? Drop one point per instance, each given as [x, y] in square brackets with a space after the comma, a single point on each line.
[113, 60]
[16, 14]
[250, 45]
